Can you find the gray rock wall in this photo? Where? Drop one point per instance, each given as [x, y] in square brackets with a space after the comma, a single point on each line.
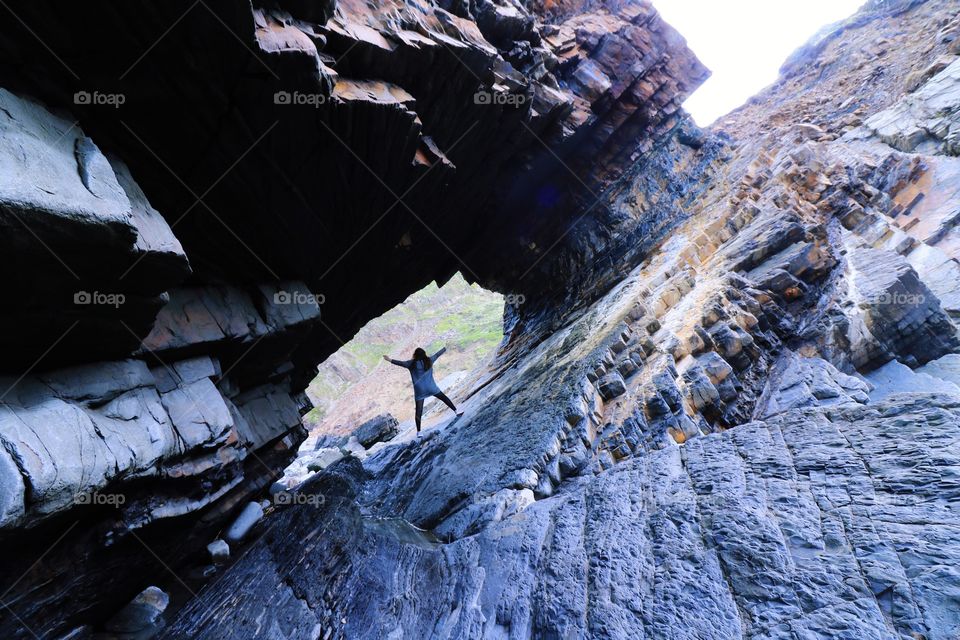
[679, 436]
[711, 449]
[815, 523]
[175, 216]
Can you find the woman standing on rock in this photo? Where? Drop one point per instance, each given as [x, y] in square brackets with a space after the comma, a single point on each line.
[421, 371]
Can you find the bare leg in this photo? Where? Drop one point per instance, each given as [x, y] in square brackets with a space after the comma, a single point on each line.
[446, 401]
[419, 413]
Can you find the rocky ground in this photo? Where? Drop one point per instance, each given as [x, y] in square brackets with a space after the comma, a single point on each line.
[727, 408]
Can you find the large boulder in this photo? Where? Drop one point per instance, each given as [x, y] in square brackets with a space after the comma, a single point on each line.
[378, 429]
[143, 613]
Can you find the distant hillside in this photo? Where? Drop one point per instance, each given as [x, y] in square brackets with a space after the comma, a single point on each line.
[355, 384]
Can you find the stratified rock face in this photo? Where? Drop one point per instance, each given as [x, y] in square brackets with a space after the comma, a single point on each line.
[367, 154]
[185, 186]
[815, 523]
[713, 448]
[899, 311]
[74, 222]
[927, 121]
[692, 428]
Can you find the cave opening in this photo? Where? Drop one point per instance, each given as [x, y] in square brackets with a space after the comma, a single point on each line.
[354, 385]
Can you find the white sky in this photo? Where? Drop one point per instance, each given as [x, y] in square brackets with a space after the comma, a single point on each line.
[744, 42]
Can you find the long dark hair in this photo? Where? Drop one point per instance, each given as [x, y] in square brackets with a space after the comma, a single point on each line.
[421, 355]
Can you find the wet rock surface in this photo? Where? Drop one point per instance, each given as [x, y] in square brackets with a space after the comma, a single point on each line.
[819, 522]
[696, 425]
[177, 208]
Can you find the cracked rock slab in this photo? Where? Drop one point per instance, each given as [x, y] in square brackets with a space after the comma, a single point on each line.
[820, 522]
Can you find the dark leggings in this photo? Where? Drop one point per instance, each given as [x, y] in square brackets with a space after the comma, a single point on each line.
[441, 397]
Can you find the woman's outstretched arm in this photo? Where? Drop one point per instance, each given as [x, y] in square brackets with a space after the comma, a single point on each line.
[400, 363]
[434, 357]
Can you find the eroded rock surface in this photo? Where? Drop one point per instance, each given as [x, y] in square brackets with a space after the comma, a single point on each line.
[178, 207]
[713, 448]
[926, 121]
[815, 523]
[695, 425]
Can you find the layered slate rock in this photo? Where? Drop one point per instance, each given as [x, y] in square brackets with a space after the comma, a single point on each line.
[674, 437]
[91, 256]
[695, 452]
[803, 382]
[289, 141]
[926, 121]
[187, 404]
[899, 311]
[179, 206]
[820, 522]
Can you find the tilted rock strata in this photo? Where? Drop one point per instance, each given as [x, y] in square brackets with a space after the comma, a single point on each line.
[696, 452]
[675, 436]
[192, 397]
[364, 132]
[91, 255]
[927, 121]
[178, 206]
[821, 522]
